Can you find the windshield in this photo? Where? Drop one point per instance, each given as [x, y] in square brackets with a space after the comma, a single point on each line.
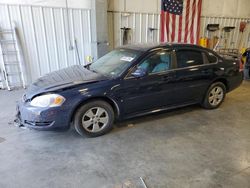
[115, 62]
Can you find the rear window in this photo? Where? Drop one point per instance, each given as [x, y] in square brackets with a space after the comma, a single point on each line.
[211, 58]
[188, 58]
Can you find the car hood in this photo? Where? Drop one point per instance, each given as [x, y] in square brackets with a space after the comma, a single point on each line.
[64, 78]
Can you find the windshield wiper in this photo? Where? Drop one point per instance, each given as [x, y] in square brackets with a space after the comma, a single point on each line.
[93, 71]
[87, 66]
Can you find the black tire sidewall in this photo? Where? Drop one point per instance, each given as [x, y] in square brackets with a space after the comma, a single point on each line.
[206, 103]
[83, 109]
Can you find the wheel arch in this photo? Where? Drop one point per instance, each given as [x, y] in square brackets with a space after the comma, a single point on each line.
[222, 80]
[111, 102]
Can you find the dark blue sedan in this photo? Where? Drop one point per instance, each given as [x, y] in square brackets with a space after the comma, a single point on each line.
[127, 82]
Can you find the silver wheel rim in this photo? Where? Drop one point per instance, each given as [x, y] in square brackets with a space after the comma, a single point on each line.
[216, 96]
[95, 119]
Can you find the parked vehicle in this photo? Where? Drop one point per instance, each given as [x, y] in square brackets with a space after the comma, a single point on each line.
[128, 82]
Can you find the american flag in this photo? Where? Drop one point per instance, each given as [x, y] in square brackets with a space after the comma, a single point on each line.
[180, 21]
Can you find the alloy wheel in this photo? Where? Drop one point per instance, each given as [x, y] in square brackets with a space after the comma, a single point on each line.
[95, 119]
[216, 96]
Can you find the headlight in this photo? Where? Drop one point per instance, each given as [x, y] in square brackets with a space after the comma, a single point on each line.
[49, 100]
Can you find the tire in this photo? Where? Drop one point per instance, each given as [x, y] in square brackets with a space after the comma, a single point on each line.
[215, 95]
[94, 119]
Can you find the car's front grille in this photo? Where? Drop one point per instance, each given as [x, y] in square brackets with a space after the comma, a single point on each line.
[38, 124]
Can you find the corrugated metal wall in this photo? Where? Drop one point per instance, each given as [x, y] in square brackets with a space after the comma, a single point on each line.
[46, 34]
[234, 35]
[141, 22]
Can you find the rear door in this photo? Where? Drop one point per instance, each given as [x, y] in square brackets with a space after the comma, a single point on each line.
[193, 75]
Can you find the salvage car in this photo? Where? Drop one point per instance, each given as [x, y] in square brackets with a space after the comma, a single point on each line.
[127, 82]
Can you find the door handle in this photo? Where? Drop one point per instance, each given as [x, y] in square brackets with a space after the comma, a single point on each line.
[167, 77]
[205, 71]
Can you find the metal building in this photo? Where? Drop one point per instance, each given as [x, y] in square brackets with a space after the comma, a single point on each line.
[54, 35]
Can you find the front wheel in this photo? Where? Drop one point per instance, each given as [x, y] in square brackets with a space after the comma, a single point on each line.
[215, 96]
[94, 119]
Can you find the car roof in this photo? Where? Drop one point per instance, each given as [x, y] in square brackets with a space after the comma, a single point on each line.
[149, 46]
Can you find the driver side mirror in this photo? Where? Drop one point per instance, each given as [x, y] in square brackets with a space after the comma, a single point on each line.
[140, 72]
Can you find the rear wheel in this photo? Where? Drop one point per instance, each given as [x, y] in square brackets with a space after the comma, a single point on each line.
[94, 119]
[215, 96]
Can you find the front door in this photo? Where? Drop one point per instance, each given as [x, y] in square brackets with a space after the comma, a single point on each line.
[153, 90]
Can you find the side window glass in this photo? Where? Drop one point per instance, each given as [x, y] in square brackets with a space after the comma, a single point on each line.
[211, 58]
[188, 58]
[156, 63]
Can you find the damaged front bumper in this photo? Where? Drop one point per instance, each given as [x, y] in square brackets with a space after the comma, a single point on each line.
[41, 118]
